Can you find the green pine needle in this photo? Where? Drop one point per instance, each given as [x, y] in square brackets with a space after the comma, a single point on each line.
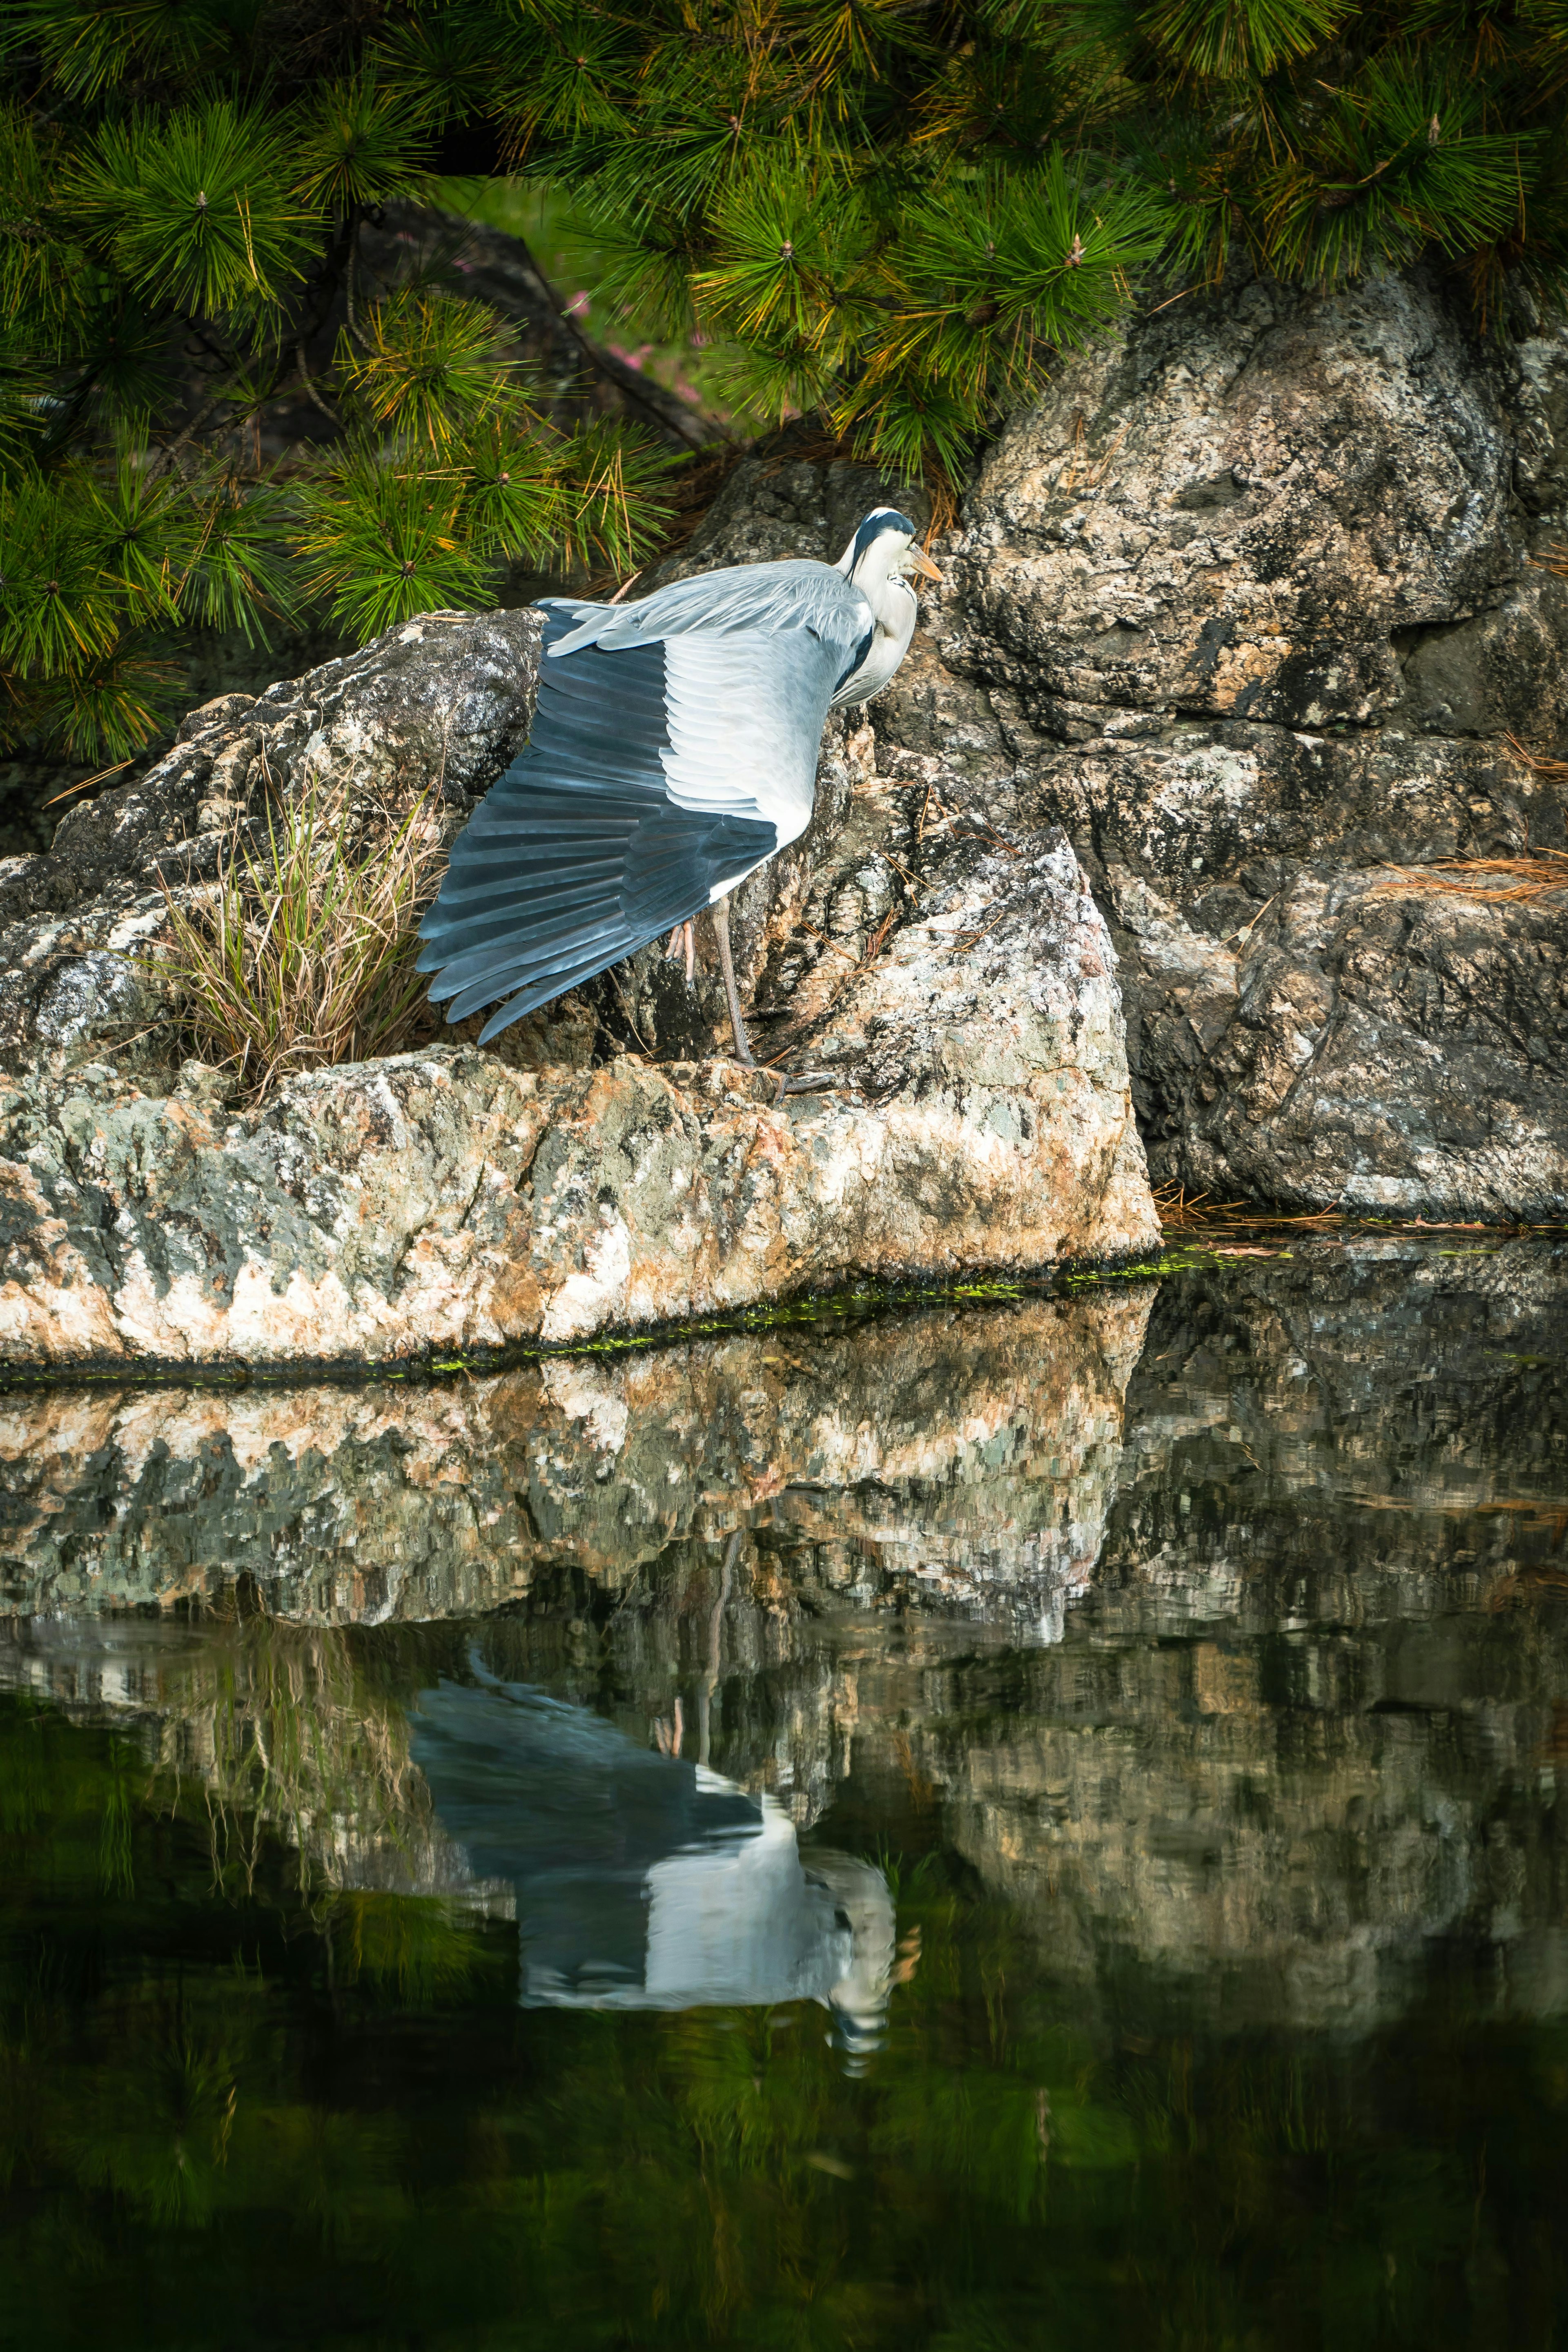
[197, 208]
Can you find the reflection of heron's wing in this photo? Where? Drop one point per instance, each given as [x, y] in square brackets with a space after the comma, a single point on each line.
[643, 1881]
[529, 1785]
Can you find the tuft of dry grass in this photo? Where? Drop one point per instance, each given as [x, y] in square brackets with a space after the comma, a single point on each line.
[303, 955]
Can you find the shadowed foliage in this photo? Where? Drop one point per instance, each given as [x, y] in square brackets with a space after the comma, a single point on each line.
[890, 213]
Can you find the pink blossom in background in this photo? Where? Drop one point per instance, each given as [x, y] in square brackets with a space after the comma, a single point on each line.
[578, 307]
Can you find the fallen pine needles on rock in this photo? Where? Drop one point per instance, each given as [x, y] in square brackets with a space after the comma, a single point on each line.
[1504, 880]
[1178, 1209]
[302, 954]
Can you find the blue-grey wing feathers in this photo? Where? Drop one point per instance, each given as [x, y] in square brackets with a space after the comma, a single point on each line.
[674, 749]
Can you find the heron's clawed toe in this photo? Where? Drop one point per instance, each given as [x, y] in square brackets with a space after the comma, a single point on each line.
[682, 939]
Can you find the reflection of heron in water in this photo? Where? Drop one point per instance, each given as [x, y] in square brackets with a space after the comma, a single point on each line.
[644, 1880]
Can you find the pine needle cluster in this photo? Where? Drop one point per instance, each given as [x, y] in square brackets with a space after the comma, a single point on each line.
[184, 189]
[889, 210]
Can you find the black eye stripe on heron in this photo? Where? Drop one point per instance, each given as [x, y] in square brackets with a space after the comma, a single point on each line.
[673, 752]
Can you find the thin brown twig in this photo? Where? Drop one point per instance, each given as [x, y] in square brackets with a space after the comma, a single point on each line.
[986, 830]
[911, 880]
[925, 805]
[1534, 761]
[1195, 288]
[973, 938]
[1176, 1207]
[1244, 930]
[877, 941]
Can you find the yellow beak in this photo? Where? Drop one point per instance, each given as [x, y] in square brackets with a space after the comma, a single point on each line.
[921, 565]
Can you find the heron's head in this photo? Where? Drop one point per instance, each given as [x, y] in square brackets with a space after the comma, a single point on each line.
[883, 555]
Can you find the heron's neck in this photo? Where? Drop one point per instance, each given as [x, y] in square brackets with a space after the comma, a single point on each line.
[892, 606]
[893, 610]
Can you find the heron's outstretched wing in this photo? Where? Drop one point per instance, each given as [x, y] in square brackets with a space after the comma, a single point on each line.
[669, 757]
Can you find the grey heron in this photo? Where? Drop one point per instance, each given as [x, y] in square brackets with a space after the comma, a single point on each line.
[673, 752]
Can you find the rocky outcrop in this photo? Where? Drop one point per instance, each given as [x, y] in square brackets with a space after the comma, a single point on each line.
[1264, 603]
[603, 1169]
[440, 1202]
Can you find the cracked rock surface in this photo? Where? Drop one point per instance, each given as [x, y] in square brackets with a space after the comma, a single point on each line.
[1260, 606]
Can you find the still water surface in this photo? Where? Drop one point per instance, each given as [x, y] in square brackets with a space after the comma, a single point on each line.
[1035, 1824]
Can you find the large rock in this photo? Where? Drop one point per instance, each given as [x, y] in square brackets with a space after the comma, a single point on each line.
[600, 1169]
[1253, 604]
[443, 1201]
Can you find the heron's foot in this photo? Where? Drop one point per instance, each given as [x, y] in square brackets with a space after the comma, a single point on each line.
[682, 937]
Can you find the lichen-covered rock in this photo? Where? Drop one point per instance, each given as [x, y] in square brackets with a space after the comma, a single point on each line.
[442, 1200]
[600, 1168]
[1256, 506]
[1260, 604]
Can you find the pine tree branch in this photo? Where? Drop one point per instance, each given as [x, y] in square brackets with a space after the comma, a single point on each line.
[350, 263]
[514, 281]
[172, 450]
[316, 398]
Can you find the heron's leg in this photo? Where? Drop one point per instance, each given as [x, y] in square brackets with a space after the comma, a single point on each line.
[683, 936]
[726, 964]
[805, 1081]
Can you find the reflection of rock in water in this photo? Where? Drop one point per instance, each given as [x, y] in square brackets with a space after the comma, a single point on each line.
[973, 1451]
[1314, 1710]
[644, 1880]
[1304, 1720]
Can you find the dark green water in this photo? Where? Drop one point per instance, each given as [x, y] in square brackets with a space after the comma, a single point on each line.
[1031, 1826]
